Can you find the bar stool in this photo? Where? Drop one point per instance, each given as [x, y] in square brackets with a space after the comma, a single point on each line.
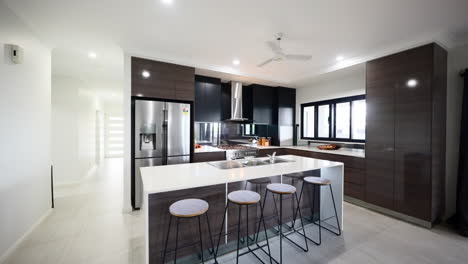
[188, 208]
[258, 183]
[245, 198]
[285, 189]
[317, 183]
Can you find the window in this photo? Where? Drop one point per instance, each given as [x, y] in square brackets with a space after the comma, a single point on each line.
[342, 119]
[309, 121]
[324, 121]
[114, 136]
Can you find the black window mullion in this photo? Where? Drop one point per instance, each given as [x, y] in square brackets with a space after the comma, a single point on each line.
[316, 121]
[351, 120]
[333, 125]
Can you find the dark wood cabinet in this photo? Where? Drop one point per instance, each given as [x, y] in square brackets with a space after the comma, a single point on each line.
[165, 81]
[405, 134]
[354, 169]
[284, 117]
[266, 152]
[207, 99]
[263, 100]
[380, 132]
[225, 101]
[247, 99]
[208, 156]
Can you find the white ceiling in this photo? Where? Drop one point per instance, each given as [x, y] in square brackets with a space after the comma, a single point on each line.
[209, 34]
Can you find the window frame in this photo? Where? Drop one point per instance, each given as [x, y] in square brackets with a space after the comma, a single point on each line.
[332, 123]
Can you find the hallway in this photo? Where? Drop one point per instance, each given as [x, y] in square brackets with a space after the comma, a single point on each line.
[87, 224]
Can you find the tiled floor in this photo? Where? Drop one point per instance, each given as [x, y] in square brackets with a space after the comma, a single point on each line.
[87, 226]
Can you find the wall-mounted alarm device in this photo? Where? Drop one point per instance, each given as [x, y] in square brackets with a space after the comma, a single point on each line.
[16, 54]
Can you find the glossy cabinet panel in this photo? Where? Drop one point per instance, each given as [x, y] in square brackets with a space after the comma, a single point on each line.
[166, 80]
[406, 108]
[207, 99]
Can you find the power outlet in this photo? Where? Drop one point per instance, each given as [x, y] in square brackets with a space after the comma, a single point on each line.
[16, 54]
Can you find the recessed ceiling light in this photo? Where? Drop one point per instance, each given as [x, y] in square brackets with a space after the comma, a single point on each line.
[167, 2]
[339, 58]
[139, 95]
[92, 55]
[146, 74]
[412, 83]
[236, 62]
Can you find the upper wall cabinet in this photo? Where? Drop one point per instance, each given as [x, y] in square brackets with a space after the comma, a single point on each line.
[405, 134]
[207, 99]
[263, 101]
[160, 80]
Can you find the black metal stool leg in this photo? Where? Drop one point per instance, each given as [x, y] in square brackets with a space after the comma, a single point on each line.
[238, 234]
[281, 227]
[212, 250]
[319, 214]
[262, 219]
[298, 204]
[336, 214]
[201, 241]
[302, 223]
[167, 240]
[221, 230]
[176, 241]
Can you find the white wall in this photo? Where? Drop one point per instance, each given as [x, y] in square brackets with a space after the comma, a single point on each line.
[74, 141]
[127, 206]
[25, 195]
[342, 83]
[457, 60]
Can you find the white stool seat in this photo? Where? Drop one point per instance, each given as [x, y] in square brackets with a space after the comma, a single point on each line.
[281, 188]
[317, 180]
[188, 208]
[244, 197]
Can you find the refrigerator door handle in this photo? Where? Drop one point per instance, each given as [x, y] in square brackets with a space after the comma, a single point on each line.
[164, 136]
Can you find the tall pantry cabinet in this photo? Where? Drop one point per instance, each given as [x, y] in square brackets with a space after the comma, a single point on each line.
[405, 134]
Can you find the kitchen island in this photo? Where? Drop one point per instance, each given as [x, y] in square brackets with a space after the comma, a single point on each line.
[164, 185]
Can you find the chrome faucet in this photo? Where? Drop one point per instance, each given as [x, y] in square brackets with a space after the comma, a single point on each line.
[272, 157]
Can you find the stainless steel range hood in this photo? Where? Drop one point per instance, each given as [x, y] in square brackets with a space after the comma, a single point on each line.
[236, 103]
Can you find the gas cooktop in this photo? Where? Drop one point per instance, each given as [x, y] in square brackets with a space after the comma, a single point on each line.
[233, 147]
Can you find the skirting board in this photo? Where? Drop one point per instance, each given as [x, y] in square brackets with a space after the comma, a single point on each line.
[388, 212]
[10, 250]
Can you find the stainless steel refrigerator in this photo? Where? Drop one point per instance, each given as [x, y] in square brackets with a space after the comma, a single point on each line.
[161, 137]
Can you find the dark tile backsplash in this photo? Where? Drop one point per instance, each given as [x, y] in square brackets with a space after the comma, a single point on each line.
[232, 130]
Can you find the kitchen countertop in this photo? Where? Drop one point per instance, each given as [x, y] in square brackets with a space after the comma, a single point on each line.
[358, 153]
[192, 175]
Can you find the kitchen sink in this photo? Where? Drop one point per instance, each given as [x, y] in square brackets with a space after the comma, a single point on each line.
[252, 162]
[276, 160]
[235, 164]
[226, 165]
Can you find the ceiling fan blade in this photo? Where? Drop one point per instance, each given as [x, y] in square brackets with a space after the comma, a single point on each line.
[298, 57]
[265, 63]
[273, 46]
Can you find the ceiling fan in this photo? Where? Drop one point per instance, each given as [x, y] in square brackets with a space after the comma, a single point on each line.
[280, 55]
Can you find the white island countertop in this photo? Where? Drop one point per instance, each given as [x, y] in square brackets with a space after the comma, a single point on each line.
[190, 175]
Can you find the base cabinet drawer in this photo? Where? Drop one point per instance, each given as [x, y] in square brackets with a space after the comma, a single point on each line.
[208, 156]
[266, 152]
[354, 190]
[353, 175]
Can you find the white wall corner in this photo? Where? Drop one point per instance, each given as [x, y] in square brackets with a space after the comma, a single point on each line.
[127, 207]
